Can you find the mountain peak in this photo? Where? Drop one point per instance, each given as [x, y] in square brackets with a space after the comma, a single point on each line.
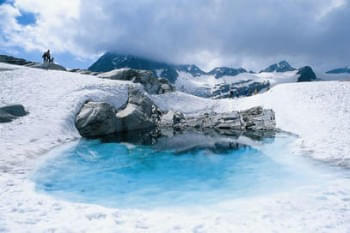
[282, 66]
[343, 70]
[219, 72]
[110, 61]
[192, 69]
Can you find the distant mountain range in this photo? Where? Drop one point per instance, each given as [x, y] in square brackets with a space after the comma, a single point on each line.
[110, 61]
[339, 70]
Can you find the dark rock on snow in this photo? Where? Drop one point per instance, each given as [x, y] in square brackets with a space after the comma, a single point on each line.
[11, 112]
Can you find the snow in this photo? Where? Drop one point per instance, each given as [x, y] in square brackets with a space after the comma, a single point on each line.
[204, 84]
[318, 112]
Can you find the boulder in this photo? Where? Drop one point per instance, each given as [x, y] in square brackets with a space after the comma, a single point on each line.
[132, 119]
[140, 112]
[97, 119]
[139, 99]
[15, 110]
[306, 74]
[11, 112]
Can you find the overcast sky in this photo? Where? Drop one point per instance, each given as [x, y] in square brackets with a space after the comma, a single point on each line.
[209, 33]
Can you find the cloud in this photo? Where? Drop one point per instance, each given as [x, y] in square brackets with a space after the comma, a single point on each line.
[251, 33]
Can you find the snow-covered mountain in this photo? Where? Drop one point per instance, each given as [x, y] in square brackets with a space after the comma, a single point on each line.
[342, 70]
[194, 70]
[282, 66]
[219, 72]
[110, 61]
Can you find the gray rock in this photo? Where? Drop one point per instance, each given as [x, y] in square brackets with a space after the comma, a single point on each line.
[258, 118]
[254, 119]
[6, 117]
[15, 110]
[178, 117]
[132, 119]
[97, 119]
[11, 112]
[138, 98]
[140, 112]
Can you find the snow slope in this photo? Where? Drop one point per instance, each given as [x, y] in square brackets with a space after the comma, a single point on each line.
[317, 111]
[204, 84]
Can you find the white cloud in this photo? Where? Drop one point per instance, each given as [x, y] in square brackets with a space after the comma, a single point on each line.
[207, 32]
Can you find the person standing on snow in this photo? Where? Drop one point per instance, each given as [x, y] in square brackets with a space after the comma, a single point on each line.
[47, 56]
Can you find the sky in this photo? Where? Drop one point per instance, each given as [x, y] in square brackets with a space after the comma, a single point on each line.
[209, 33]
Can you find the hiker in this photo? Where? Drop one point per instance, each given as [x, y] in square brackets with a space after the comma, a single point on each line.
[47, 57]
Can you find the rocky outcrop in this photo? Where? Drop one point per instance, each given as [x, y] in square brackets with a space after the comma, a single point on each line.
[96, 119]
[306, 74]
[11, 112]
[23, 62]
[146, 78]
[258, 118]
[140, 114]
[254, 119]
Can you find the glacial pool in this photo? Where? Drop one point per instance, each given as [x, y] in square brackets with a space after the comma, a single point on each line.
[125, 175]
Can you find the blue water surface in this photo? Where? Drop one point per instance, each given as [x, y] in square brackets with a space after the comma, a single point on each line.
[129, 176]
